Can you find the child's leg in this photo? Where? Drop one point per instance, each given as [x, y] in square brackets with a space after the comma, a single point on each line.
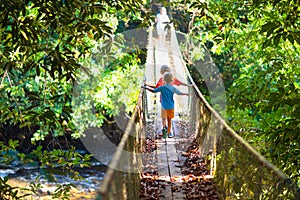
[169, 125]
[163, 114]
[164, 122]
[170, 115]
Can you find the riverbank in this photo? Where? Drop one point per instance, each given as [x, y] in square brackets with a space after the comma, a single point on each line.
[46, 191]
[26, 180]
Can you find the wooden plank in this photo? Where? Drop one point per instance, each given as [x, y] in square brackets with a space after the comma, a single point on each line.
[161, 58]
[172, 157]
[163, 169]
[167, 154]
[175, 171]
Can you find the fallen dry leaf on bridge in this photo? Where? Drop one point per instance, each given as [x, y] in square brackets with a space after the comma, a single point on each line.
[195, 181]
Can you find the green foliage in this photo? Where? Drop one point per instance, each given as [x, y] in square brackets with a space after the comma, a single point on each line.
[120, 86]
[8, 192]
[255, 44]
[63, 160]
[63, 191]
[52, 162]
[9, 153]
[52, 35]
[36, 101]
[44, 46]
[108, 84]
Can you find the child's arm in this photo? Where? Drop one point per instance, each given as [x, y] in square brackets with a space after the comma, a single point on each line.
[185, 84]
[178, 82]
[149, 89]
[152, 86]
[180, 93]
[183, 93]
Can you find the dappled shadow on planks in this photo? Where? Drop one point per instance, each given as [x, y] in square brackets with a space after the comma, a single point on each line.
[174, 169]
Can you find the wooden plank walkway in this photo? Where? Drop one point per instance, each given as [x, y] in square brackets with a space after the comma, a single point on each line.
[166, 174]
[167, 160]
[167, 54]
[163, 176]
[169, 167]
[168, 163]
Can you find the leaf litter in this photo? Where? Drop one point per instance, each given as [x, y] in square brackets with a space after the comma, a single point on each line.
[195, 182]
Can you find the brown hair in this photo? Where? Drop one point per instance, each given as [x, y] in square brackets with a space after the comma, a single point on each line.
[168, 77]
[165, 68]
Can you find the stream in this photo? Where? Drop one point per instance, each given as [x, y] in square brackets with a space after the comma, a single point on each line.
[103, 149]
[21, 176]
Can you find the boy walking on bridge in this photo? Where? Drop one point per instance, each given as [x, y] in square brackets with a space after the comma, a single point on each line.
[161, 82]
[167, 101]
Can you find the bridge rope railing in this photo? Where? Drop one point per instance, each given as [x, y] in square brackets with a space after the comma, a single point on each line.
[122, 179]
[239, 171]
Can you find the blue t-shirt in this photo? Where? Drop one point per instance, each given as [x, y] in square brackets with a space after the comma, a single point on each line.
[167, 92]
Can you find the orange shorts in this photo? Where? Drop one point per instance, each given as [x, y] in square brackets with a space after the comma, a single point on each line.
[167, 113]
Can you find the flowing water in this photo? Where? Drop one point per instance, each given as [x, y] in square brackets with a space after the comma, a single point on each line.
[20, 176]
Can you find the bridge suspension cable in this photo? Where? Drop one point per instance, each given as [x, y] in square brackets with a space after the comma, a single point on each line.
[239, 171]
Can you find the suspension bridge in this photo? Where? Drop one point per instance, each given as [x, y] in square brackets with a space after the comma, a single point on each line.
[232, 168]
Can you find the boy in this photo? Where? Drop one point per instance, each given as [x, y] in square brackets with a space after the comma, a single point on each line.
[167, 101]
[161, 82]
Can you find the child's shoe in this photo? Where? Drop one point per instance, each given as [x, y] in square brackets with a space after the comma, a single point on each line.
[170, 135]
[164, 132]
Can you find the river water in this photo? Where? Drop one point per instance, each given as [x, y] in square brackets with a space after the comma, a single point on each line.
[20, 176]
